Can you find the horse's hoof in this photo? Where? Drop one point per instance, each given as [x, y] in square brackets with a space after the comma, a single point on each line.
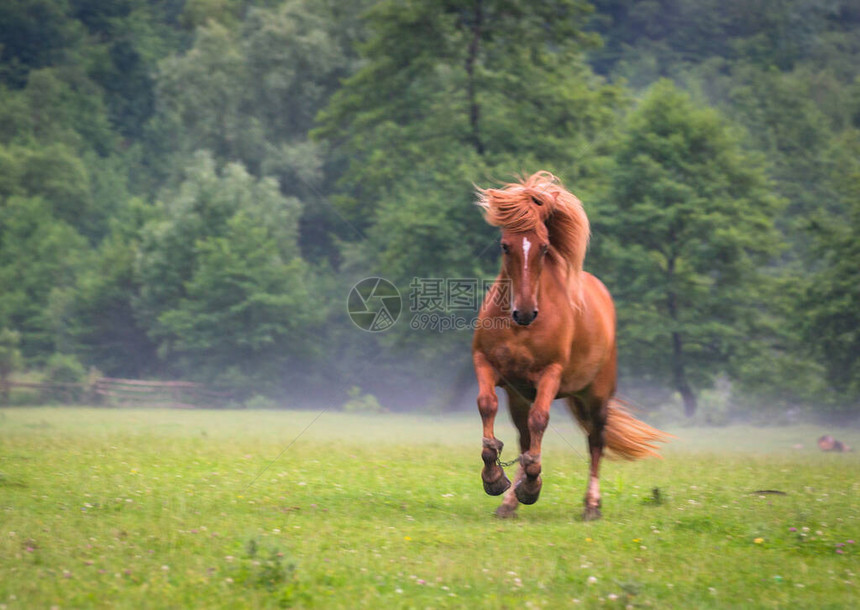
[497, 487]
[506, 511]
[528, 491]
[591, 513]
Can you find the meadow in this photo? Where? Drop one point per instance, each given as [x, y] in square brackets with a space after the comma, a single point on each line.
[134, 508]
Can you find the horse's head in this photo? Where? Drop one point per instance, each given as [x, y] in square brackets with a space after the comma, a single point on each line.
[537, 216]
[523, 255]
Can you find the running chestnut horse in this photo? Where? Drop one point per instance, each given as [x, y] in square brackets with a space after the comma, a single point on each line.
[568, 351]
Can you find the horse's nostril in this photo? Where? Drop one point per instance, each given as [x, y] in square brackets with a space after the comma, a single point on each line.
[534, 314]
[523, 319]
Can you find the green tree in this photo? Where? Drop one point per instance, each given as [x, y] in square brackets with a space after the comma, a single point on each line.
[780, 113]
[249, 93]
[34, 34]
[10, 360]
[450, 94]
[247, 315]
[126, 40]
[56, 107]
[104, 329]
[57, 143]
[220, 274]
[645, 40]
[38, 254]
[494, 86]
[689, 224]
[829, 312]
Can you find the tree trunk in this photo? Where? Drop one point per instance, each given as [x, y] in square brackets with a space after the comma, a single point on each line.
[4, 388]
[474, 109]
[678, 374]
[681, 384]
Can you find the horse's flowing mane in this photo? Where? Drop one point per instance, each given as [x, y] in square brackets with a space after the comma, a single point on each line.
[539, 203]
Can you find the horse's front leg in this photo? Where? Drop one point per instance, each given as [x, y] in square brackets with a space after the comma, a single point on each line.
[519, 408]
[493, 476]
[529, 486]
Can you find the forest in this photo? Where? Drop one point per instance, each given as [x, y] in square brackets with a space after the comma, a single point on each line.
[189, 189]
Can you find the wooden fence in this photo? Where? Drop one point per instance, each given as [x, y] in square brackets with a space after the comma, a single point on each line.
[132, 392]
[68, 393]
[174, 394]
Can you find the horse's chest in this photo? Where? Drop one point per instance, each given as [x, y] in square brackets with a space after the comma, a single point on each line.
[515, 363]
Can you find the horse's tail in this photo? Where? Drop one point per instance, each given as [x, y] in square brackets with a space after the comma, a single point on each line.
[629, 438]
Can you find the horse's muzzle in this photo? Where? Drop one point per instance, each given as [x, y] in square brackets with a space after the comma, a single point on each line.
[524, 318]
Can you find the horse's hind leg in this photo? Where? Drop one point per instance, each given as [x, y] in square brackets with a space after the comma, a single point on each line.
[519, 408]
[596, 445]
[591, 413]
[492, 475]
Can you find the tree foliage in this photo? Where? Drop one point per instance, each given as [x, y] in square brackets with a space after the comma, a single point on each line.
[691, 215]
[830, 310]
[190, 187]
[238, 299]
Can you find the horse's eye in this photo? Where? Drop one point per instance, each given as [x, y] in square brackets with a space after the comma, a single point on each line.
[544, 249]
[506, 248]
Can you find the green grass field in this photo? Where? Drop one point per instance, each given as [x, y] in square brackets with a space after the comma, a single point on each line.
[157, 508]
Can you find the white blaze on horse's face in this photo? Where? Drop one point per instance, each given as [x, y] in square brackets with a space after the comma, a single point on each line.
[527, 245]
[524, 274]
